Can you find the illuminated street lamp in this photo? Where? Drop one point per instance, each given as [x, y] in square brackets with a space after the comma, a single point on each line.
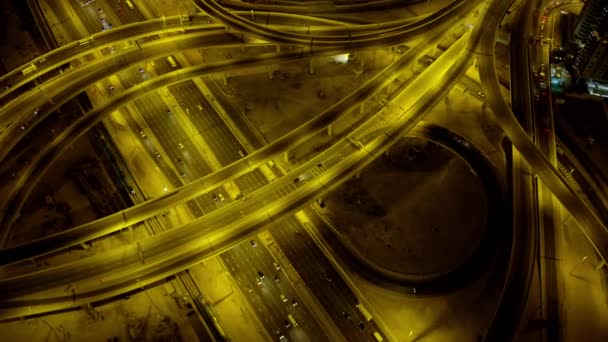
[577, 265]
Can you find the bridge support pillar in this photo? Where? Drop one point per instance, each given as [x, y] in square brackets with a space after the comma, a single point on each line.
[330, 130]
[362, 107]
[311, 69]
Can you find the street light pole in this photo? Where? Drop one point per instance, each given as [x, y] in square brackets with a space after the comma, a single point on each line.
[577, 265]
[190, 121]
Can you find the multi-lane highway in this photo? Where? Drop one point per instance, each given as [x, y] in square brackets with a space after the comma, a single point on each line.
[342, 155]
[592, 226]
[37, 103]
[270, 293]
[177, 126]
[204, 185]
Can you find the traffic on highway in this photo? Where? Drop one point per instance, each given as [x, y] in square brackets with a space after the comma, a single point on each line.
[205, 166]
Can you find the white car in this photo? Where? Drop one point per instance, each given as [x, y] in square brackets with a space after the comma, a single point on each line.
[105, 25]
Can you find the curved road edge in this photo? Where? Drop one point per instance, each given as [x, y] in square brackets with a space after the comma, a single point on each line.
[497, 225]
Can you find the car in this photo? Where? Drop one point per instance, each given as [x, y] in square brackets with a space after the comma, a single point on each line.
[259, 281]
[180, 145]
[292, 320]
[131, 191]
[142, 133]
[180, 161]
[261, 275]
[286, 324]
[249, 288]
[294, 302]
[169, 112]
[276, 266]
[157, 155]
[104, 24]
[345, 315]
[253, 244]
[284, 298]
[182, 174]
[376, 335]
[276, 279]
[218, 197]
[482, 95]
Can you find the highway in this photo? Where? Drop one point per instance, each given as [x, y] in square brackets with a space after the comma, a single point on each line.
[210, 242]
[204, 185]
[548, 208]
[320, 7]
[49, 96]
[593, 228]
[53, 93]
[36, 101]
[264, 295]
[507, 316]
[197, 23]
[454, 8]
[221, 227]
[50, 61]
[323, 280]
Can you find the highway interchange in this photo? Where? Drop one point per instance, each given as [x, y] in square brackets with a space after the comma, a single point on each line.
[218, 227]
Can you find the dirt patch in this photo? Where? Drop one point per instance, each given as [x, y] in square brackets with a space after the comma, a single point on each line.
[418, 210]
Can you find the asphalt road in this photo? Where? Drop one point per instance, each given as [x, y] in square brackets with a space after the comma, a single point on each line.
[203, 185]
[264, 295]
[248, 206]
[170, 252]
[322, 280]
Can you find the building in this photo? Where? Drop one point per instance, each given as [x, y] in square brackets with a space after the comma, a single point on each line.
[591, 34]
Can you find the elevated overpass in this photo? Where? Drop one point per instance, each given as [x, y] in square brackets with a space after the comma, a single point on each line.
[90, 73]
[206, 184]
[176, 249]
